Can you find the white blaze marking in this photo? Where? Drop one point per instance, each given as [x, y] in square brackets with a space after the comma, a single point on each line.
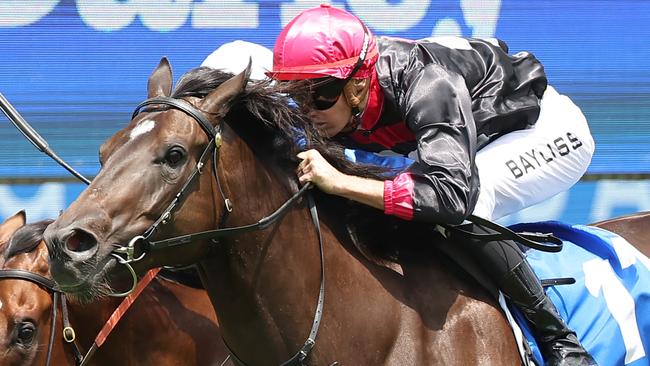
[142, 128]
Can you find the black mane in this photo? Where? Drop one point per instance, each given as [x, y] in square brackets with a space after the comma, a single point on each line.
[26, 239]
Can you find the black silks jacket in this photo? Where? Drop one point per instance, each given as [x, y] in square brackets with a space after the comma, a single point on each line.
[439, 100]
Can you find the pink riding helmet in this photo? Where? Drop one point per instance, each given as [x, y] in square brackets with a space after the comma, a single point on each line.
[320, 42]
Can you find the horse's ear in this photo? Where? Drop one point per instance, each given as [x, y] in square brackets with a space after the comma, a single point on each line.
[219, 100]
[160, 81]
[10, 226]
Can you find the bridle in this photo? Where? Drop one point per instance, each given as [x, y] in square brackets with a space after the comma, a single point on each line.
[142, 245]
[127, 255]
[69, 335]
[58, 296]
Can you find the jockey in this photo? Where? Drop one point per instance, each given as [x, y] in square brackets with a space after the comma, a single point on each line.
[439, 101]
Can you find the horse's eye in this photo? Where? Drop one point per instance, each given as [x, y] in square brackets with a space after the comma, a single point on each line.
[174, 155]
[25, 333]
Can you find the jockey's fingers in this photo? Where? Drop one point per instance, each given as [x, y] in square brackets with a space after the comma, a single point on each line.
[307, 153]
[300, 166]
[305, 157]
[304, 178]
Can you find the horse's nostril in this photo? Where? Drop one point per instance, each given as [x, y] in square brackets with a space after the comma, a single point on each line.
[80, 241]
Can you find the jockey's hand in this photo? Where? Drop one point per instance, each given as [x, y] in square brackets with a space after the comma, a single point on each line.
[314, 168]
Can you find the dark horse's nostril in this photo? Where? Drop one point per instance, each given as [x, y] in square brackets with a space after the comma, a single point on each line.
[80, 241]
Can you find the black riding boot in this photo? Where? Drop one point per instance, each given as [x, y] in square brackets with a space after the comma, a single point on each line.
[557, 342]
[506, 264]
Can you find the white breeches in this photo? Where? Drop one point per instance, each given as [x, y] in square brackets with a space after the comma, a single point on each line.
[525, 167]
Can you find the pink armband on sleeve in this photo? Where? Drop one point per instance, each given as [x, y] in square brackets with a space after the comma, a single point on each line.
[398, 196]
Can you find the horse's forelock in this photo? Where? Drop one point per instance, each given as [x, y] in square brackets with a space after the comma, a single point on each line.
[27, 238]
[199, 82]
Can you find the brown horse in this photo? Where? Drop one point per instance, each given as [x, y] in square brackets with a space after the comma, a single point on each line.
[169, 324]
[634, 228]
[384, 304]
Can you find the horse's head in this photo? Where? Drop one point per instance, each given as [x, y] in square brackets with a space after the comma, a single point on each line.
[24, 305]
[143, 169]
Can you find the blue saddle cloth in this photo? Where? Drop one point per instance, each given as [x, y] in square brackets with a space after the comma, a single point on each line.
[609, 305]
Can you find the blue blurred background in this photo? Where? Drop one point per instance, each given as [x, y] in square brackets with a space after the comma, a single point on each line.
[75, 70]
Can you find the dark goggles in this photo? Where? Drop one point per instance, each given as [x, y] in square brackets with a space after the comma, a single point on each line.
[326, 92]
[324, 104]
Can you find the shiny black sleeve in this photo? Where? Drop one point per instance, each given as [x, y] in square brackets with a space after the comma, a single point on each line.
[436, 106]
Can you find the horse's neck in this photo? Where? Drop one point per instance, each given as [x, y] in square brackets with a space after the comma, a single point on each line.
[264, 285]
[264, 280]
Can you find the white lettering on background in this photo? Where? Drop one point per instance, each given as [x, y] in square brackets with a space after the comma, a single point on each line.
[289, 10]
[390, 16]
[634, 196]
[19, 13]
[107, 15]
[447, 27]
[480, 15]
[112, 15]
[225, 14]
[45, 203]
[164, 15]
[167, 15]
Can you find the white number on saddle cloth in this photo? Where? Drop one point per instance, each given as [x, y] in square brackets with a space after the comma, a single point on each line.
[599, 274]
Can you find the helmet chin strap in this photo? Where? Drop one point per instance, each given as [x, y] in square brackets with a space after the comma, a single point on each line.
[355, 122]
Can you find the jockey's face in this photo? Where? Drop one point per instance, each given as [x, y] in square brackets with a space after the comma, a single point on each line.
[333, 120]
[332, 112]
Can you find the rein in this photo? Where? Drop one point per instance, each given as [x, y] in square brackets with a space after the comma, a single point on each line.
[141, 245]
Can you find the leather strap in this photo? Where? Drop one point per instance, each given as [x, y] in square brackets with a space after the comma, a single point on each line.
[531, 240]
[228, 231]
[117, 315]
[298, 359]
[181, 105]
